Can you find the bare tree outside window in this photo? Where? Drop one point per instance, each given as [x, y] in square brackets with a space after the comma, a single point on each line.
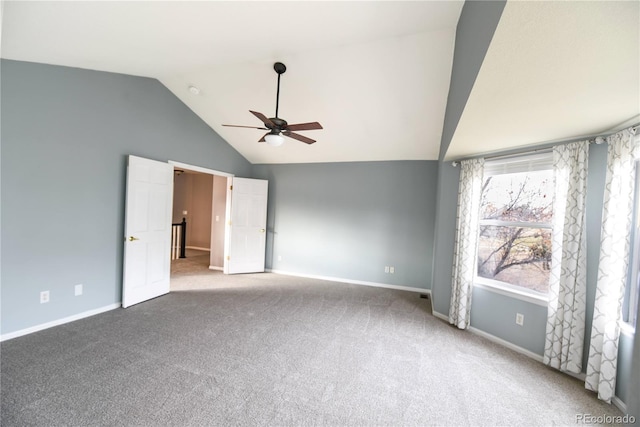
[515, 229]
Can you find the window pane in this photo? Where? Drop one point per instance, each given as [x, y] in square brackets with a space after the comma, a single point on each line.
[519, 256]
[526, 197]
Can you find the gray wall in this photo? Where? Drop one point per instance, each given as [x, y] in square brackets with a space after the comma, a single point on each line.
[66, 134]
[494, 313]
[491, 312]
[446, 208]
[477, 23]
[350, 220]
[476, 26]
[633, 400]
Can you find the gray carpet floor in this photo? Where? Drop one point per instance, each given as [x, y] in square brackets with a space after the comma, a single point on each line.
[272, 350]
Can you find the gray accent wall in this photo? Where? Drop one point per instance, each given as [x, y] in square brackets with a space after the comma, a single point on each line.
[350, 220]
[476, 26]
[633, 400]
[444, 239]
[625, 365]
[491, 312]
[66, 134]
[494, 313]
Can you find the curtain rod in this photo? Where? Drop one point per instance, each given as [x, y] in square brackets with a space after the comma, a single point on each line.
[593, 139]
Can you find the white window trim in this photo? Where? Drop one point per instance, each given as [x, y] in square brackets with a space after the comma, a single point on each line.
[516, 164]
[522, 224]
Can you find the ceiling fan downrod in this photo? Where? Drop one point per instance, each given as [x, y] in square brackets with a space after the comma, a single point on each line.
[277, 126]
[280, 68]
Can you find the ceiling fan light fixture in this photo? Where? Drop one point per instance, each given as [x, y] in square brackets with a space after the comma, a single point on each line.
[274, 140]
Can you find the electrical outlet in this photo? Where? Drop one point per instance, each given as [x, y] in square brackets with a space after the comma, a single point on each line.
[519, 319]
[78, 290]
[44, 297]
[386, 269]
[392, 270]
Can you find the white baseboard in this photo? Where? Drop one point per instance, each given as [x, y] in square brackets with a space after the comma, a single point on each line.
[495, 339]
[440, 316]
[351, 281]
[619, 404]
[198, 248]
[213, 267]
[505, 343]
[581, 376]
[58, 322]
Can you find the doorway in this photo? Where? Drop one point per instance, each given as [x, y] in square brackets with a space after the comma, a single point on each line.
[149, 208]
[200, 199]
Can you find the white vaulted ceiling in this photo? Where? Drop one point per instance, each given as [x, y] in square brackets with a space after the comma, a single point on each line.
[555, 71]
[376, 74]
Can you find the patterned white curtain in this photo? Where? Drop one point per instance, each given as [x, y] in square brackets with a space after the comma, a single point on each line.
[568, 280]
[613, 265]
[466, 241]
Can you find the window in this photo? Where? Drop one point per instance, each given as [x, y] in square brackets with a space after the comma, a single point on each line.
[516, 215]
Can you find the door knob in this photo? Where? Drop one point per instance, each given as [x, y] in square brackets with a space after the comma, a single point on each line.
[131, 238]
[262, 230]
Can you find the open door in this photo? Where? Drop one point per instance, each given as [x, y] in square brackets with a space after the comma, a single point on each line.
[147, 261]
[247, 237]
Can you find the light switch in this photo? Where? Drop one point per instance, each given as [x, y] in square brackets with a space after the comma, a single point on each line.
[184, 212]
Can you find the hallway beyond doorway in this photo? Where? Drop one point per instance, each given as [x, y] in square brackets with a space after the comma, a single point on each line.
[186, 272]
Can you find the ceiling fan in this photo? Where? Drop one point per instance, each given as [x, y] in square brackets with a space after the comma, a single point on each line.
[277, 126]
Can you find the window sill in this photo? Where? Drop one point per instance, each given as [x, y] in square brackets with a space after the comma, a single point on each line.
[497, 287]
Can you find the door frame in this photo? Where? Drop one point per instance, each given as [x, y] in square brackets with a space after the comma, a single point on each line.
[229, 177]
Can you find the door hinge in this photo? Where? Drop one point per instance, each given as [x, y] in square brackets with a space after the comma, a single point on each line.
[231, 187]
[229, 222]
[228, 257]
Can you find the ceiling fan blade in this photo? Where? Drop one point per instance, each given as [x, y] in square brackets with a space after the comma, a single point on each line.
[248, 127]
[262, 139]
[268, 123]
[304, 126]
[299, 137]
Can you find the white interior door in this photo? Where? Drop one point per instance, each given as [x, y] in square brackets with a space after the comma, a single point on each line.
[246, 238]
[147, 260]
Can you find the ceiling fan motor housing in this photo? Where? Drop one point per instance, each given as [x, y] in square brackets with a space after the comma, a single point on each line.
[279, 123]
